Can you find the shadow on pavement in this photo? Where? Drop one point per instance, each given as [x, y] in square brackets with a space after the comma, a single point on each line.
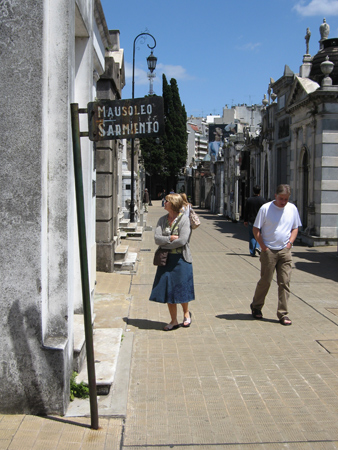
[67, 421]
[240, 316]
[324, 265]
[144, 324]
[321, 264]
[224, 225]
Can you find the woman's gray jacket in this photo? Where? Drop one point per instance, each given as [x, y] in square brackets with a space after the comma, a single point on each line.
[184, 231]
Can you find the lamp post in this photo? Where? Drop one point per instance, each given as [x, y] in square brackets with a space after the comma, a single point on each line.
[150, 174]
[151, 61]
[157, 140]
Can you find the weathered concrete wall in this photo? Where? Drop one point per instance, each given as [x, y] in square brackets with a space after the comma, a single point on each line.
[48, 56]
[34, 224]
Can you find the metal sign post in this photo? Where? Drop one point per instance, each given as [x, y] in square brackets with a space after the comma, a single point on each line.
[84, 265]
[107, 120]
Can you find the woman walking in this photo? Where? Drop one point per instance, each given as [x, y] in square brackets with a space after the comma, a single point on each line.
[174, 282]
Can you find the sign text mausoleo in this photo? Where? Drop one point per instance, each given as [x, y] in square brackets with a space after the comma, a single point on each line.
[125, 119]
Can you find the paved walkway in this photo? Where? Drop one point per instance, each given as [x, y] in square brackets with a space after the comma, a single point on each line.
[228, 381]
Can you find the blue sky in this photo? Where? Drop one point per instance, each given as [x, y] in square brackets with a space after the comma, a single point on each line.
[222, 52]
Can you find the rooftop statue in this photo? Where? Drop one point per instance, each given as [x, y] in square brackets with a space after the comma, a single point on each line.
[324, 30]
[307, 40]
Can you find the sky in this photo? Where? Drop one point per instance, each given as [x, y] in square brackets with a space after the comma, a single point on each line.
[222, 52]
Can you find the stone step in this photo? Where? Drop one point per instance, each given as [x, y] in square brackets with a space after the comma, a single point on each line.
[130, 227]
[124, 223]
[137, 231]
[127, 264]
[79, 351]
[107, 343]
[121, 252]
[115, 403]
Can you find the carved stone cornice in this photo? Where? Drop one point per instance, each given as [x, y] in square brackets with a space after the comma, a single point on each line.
[102, 24]
[292, 108]
[319, 96]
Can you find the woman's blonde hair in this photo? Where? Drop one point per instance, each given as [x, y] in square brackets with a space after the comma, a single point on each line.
[176, 201]
[185, 200]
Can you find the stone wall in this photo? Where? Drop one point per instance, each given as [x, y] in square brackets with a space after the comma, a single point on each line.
[42, 45]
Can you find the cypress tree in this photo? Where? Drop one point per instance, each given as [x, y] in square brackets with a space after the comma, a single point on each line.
[180, 125]
[167, 157]
[175, 141]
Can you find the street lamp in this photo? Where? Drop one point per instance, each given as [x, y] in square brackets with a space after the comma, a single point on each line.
[151, 60]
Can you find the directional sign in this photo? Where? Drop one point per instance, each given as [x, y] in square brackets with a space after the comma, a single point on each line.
[125, 119]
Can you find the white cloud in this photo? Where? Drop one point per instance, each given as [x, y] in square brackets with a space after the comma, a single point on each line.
[249, 46]
[140, 74]
[317, 7]
[170, 71]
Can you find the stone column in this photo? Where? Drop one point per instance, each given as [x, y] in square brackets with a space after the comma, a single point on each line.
[107, 178]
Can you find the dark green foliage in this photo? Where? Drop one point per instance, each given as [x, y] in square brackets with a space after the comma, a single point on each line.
[175, 142]
[153, 155]
[179, 120]
[79, 390]
[168, 156]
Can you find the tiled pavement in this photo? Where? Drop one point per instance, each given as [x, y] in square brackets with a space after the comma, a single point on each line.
[228, 381]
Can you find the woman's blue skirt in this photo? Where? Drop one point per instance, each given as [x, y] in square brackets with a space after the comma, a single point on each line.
[174, 282]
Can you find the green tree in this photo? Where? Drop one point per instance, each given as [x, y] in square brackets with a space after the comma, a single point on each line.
[153, 155]
[175, 139]
[166, 156]
[179, 118]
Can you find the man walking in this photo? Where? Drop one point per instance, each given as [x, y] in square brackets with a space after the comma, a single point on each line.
[275, 229]
[251, 209]
[163, 196]
[145, 200]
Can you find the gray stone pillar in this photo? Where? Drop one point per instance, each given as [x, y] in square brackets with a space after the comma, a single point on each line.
[107, 176]
[105, 207]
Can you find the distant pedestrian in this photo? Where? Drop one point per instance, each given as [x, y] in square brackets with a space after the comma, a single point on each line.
[145, 200]
[163, 195]
[174, 282]
[172, 191]
[250, 212]
[276, 229]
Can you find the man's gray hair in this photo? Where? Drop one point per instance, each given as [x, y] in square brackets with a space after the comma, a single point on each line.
[283, 189]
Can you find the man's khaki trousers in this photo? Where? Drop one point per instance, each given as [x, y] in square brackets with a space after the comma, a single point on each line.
[281, 260]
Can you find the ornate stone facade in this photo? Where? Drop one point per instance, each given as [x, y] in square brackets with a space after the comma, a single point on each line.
[299, 140]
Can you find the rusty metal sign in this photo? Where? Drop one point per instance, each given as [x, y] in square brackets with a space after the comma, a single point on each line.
[125, 119]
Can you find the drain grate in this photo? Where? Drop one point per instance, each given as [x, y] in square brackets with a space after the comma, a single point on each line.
[145, 250]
